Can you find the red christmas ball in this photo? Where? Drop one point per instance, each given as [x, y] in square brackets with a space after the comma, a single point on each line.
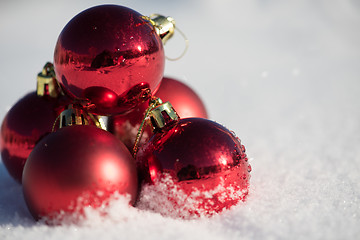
[109, 55]
[75, 167]
[30, 119]
[203, 160]
[185, 101]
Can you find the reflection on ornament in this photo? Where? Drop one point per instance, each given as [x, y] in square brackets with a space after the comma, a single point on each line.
[109, 55]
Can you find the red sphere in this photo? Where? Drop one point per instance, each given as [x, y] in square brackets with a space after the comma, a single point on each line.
[75, 167]
[109, 54]
[30, 119]
[184, 100]
[203, 159]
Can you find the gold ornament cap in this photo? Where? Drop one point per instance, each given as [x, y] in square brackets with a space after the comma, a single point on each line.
[160, 114]
[77, 116]
[163, 115]
[46, 82]
[164, 26]
[72, 116]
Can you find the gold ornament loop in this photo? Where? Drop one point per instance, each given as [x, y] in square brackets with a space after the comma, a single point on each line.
[165, 28]
[185, 49]
[153, 103]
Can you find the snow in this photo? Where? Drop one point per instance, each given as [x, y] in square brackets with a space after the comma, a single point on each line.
[284, 75]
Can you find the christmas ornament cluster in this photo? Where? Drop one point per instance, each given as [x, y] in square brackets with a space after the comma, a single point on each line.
[104, 120]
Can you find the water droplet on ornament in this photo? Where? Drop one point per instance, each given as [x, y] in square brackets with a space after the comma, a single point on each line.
[249, 168]
[244, 176]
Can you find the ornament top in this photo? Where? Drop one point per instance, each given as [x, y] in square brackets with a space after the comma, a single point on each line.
[46, 82]
[75, 115]
[109, 55]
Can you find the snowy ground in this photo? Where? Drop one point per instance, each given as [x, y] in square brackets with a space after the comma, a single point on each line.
[284, 75]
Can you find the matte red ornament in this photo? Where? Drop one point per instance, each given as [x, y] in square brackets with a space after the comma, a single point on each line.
[30, 119]
[110, 55]
[203, 160]
[75, 167]
[185, 100]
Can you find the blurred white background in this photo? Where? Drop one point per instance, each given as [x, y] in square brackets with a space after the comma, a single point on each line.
[284, 75]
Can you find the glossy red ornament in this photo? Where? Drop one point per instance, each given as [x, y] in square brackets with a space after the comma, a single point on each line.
[204, 161]
[110, 55]
[186, 102]
[75, 167]
[30, 119]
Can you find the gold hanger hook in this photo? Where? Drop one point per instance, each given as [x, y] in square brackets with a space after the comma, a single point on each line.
[185, 49]
[165, 28]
